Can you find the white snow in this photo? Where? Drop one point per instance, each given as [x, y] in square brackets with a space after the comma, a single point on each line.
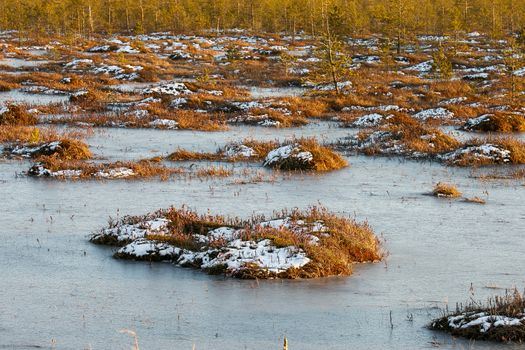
[77, 62]
[245, 106]
[104, 69]
[434, 113]
[483, 321]
[520, 72]
[138, 113]
[28, 151]
[177, 102]
[262, 254]
[288, 151]
[40, 171]
[127, 49]
[171, 88]
[368, 120]
[130, 232]
[164, 124]
[142, 248]
[330, 86]
[299, 71]
[3, 109]
[487, 151]
[239, 151]
[115, 173]
[476, 76]
[382, 108]
[422, 67]
[234, 253]
[453, 101]
[100, 48]
[269, 123]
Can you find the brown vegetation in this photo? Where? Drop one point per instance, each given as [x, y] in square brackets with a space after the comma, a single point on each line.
[17, 115]
[446, 190]
[140, 169]
[500, 122]
[511, 306]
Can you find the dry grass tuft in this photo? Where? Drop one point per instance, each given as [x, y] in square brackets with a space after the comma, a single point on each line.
[214, 171]
[200, 121]
[71, 149]
[17, 115]
[446, 190]
[324, 158]
[7, 86]
[185, 155]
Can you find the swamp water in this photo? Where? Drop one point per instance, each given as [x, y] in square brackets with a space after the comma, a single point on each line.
[60, 291]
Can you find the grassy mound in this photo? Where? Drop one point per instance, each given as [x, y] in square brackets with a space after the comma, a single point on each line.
[304, 154]
[324, 244]
[408, 139]
[52, 166]
[446, 190]
[498, 122]
[71, 149]
[14, 114]
[501, 319]
[185, 155]
[488, 151]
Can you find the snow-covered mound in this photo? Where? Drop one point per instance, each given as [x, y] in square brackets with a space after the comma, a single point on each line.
[501, 320]
[236, 150]
[222, 249]
[368, 121]
[289, 157]
[434, 113]
[164, 124]
[29, 151]
[481, 154]
[172, 88]
[256, 248]
[474, 123]
[40, 170]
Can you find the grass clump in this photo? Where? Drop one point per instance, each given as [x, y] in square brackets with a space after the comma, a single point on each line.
[498, 122]
[199, 121]
[305, 154]
[25, 134]
[90, 99]
[14, 114]
[71, 149]
[446, 190]
[340, 242]
[214, 171]
[324, 158]
[7, 86]
[500, 319]
[185, 155]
